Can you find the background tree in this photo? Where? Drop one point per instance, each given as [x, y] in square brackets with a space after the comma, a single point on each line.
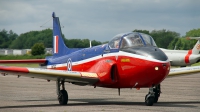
[193, 33]
[95, 43]
[80, 43]
[172, 44]
[27, 40]
[163, 37]
[6, 38]
[38, 49]
[183, 43]
[141, 31]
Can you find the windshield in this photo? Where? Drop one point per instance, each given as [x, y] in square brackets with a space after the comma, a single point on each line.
[148, 40]
[114, 43]
[132, 40]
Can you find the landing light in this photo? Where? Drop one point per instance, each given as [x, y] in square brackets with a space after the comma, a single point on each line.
[156, 68]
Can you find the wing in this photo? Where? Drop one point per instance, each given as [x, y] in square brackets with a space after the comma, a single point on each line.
[82, 78]
[183, 71]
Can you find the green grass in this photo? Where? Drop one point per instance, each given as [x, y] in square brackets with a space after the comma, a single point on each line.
[22, 65]
[17, 57]
[20, 57]
[196, 64]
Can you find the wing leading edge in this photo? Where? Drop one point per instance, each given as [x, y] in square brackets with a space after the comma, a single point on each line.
[85, 78]
[184, 71]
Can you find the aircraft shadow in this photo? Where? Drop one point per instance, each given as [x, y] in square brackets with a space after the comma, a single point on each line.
[91, 102]
[108, 102]
[36, 100]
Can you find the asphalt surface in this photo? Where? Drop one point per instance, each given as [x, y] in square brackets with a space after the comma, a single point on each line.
[36, 95]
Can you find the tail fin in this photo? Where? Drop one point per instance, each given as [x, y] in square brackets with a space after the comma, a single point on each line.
[196, 48]
[59, 47]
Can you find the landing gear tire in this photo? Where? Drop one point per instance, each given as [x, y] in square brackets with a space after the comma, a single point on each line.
[62, 93]
[157, 92]
[149, 100]
[63, 97]
[156, 97]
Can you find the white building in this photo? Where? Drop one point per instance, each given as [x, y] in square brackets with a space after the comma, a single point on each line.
[21, 51]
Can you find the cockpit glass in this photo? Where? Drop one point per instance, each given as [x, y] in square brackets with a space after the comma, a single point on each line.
[131, 40]
[114, 43]
[148, 40]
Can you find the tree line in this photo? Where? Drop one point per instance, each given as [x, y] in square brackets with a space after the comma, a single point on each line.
[163, 38]
[170, 39]
[9, 39]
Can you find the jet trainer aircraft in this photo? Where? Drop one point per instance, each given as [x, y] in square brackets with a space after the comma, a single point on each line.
[129, 60]
[184, 57]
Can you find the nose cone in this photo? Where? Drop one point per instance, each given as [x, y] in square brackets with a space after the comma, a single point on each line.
[148, 51]
[158, 72]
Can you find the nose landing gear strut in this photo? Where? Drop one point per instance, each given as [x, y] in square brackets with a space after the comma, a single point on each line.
[153, 95]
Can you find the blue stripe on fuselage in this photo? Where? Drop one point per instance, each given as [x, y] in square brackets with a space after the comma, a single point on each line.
[77, 55]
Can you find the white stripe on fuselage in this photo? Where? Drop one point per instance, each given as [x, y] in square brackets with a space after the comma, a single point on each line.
[120, 53]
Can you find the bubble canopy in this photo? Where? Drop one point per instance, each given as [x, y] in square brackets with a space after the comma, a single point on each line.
[134, 39]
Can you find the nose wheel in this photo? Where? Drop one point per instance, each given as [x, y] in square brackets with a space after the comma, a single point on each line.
[149, 98]
[157, 92]
[62, 94]
[153, 95]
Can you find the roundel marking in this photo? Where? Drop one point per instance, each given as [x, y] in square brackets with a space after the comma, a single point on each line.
[69, 64]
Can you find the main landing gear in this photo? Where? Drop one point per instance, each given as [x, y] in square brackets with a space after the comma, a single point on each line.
[153, 95]
[62, 94]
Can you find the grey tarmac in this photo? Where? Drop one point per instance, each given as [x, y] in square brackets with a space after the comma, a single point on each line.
[179, 94]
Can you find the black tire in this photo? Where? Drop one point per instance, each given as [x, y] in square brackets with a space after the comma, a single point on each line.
[157, 95]
[145, 97]
[149, 101]
[63, 97]
[155, 99]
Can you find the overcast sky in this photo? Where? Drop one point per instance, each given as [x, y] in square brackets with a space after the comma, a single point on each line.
[100, 19]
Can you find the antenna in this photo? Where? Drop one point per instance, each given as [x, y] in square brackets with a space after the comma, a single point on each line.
[43, 25]
[175, 47]
[90, 43]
